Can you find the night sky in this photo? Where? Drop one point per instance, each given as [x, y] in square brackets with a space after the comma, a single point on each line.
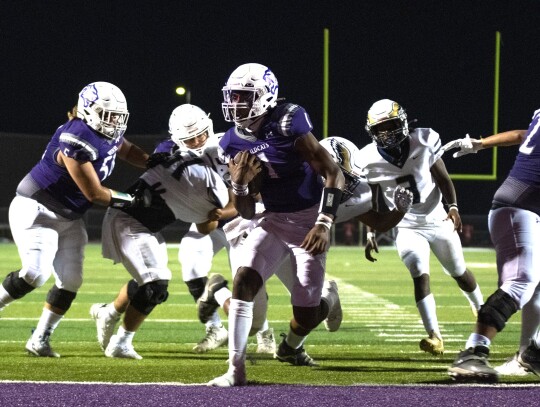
[434, 57]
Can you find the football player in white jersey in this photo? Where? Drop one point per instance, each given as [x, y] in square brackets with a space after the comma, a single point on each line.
[184, 186]
[46, 215]
[412, 158]
[356, 204]
[514, 226]
[191, 131]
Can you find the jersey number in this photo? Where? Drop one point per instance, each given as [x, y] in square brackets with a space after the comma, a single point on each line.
[524, 148]
[107, 166]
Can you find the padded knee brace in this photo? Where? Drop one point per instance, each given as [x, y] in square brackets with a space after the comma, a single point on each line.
[60, 298]
[149, 295]
[310, 317]
[497, 310]
[16, 286]
[196, 287]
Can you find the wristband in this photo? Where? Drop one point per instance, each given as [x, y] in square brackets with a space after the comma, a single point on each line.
[331, 197]
[370, 235]
[324, 220]
[453, 205]
[120, 199]
[239, 189]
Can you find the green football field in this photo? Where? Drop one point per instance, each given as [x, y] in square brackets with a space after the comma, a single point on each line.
[376, 344]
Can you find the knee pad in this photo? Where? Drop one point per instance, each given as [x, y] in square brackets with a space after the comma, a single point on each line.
[497, 310]
[196, 287]
[308, 317]
[15, 286]
[132, 288]
[149, 295]
[60, 298]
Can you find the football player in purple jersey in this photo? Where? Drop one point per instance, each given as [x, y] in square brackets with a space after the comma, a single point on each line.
[514, 226]
[272, 151]
[46, 214]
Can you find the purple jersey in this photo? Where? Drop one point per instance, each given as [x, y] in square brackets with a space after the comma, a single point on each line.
[52, 185]
[521, 189]
[289, 183]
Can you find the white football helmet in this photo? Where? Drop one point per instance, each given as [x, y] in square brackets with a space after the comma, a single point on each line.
[343, 154]
[188, 122]
[387, 123]
[103, 107]
[250, 91]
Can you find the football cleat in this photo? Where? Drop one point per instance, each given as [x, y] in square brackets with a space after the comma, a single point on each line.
[118, 349]
[105, 324]
[296, 357]
[335, 315]
[512, 367]
[266, 342]
[229, 380]
[472, 365]
[216, 336]
[40, 346]
[432, 344]
[530, 359]
[207, 304]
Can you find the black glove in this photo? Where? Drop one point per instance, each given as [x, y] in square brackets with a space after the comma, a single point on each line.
[156, 159]
[145, 194]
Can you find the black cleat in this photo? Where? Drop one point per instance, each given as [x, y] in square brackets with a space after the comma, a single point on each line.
[296, 357]
[530, 359]
[472, 365]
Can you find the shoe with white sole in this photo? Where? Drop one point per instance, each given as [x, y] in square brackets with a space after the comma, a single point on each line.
[216, 336]
[40, 346]
[229, 380]
[105, 324]
[118, 349]
[266, 342]
[512, 367]
[335, 315]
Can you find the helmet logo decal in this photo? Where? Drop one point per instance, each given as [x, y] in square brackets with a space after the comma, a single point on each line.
[270, 82]
[89, 95]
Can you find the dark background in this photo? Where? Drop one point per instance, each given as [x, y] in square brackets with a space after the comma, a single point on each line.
[435, 58]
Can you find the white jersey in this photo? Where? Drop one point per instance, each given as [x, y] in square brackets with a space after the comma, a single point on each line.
[192, 189]
[413, 174]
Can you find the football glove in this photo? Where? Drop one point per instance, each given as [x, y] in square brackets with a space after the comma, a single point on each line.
[403, 199]
[466, 145]
[156, 159]
[371, 244]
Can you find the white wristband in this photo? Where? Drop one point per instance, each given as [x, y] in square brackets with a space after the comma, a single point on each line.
[370, 235]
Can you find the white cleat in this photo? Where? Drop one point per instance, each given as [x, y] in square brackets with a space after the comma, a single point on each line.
[41, 347]
[117, 349]
[228, 380]
[105, 324]
[216, 336]
[512, 367]
[335, 315]
[266, 342]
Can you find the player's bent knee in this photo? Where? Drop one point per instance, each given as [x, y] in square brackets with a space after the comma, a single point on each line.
[497, 310]
[149, 295]
[15, 286]
[196, 287]
[60, 298]
[307, 317]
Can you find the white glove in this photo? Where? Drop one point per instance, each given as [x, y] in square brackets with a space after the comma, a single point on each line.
[403, 199]
[466, 146]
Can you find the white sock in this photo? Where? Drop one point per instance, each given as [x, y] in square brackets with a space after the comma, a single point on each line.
[47, 323]
[222, 295]
[125, 336]
[240, 319]
[264, 326]
[477, 339]
[111, 310]
[428, 313]
[475, 297]
[214, 320]
[5, 298]
[530, 320]
[293, 340]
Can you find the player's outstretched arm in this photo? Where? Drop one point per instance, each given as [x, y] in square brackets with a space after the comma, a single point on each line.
[468, 145]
